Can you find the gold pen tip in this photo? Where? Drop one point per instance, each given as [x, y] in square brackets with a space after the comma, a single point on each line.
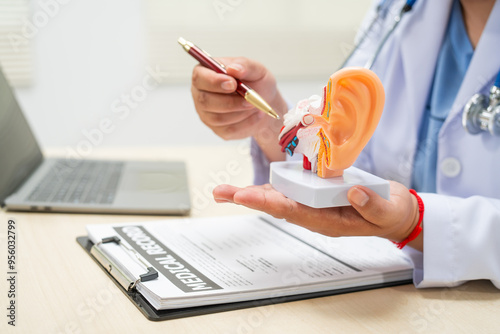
[182, 41]
[185, 44]
[273, 113]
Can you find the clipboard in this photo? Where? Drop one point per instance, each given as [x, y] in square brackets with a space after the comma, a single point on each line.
[160, 315]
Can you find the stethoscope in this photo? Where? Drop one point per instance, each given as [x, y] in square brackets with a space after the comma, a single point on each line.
[481, 113]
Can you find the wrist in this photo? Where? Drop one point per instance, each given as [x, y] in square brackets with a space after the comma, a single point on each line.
[266, 136]
[415, 229]
[268, 143]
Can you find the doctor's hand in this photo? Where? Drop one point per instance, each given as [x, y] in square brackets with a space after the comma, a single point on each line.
[228, 114]
[369, 215]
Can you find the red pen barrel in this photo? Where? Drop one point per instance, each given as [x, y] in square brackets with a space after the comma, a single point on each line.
[241, 88]
[204, 60]
[210, 63]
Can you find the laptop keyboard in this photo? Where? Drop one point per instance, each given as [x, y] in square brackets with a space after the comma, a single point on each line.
[84, 182]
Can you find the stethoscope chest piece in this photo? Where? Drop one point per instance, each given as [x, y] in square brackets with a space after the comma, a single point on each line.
[482, 113]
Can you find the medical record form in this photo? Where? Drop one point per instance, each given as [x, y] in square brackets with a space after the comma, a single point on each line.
[205, 261]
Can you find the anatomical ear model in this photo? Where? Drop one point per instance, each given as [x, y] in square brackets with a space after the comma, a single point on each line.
[331, 131]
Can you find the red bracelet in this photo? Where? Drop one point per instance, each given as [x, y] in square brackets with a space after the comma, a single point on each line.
[416, 231]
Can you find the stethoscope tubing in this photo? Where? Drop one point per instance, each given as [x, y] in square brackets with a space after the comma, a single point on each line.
[481, 113]
[381, 8]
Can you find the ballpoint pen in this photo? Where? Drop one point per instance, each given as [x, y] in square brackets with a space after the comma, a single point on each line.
[244, 90]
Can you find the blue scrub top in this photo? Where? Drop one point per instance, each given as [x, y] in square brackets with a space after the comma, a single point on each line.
[453, 61]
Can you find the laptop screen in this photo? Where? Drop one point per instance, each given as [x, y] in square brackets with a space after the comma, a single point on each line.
[19, 151]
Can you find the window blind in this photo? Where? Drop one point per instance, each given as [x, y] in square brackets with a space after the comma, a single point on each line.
[16, 34]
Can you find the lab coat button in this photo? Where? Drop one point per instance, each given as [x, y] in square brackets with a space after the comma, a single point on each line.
[450, 167]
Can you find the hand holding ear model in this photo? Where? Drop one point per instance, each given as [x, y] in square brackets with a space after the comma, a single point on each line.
[331, 132]
[369, 215]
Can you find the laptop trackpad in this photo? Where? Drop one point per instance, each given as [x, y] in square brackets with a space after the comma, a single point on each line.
[162, 185]
[157, 182]
[160, 178]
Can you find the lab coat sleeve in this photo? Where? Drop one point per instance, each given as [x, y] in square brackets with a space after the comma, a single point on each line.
[260, 164]
[461, 241]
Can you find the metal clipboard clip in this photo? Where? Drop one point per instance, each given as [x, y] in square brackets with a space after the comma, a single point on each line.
[128, 283]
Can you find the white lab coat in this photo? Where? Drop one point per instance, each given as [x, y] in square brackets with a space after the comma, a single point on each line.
[461, 221]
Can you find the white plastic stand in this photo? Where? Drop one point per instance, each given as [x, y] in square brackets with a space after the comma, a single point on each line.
[304, 186]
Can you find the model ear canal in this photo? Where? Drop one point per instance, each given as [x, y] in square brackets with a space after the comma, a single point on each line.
[353, 108]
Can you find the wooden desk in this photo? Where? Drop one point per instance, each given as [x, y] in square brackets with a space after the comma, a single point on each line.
[61, 290]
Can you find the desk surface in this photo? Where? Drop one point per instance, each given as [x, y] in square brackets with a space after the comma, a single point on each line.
[61, 290]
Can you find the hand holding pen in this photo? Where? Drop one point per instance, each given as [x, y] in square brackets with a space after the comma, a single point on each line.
[244, 90]
[228, 114]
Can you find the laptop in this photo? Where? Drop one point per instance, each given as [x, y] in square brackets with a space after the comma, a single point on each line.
[31, 182]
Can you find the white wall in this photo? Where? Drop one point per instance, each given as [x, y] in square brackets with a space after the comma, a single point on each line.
[90, 55]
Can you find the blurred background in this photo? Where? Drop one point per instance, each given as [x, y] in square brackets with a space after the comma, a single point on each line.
[82, 65]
